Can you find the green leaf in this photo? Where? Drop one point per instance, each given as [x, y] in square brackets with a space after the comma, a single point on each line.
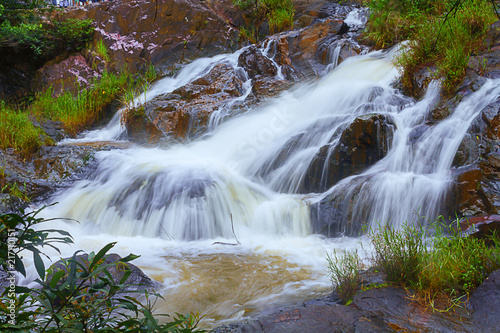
[56, 277]
[39, 265]
[101, 254]
[19, 265]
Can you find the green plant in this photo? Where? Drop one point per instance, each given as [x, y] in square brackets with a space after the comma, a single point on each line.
[443, 32]
[279, 14]
[399, 253]
[102, 51]
[78, 295]
[17, 131]
[77, 112]
[20, 232]
[344, 272]
[15, 190]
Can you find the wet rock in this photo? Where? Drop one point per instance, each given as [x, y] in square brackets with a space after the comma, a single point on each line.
[255, 63]
[395, 307]
[362, 144]
[482, 227]
[140, 130]
[485, 302]
[312, 318]
[185, 112]
[137, 281]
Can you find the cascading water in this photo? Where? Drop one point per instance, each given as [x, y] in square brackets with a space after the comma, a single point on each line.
[242, 182]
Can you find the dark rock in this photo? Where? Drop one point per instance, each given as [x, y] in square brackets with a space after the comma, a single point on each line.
[471, 199]
[485, 302]
[362, 144]
[396, 308]
[137, 281]
[312, 318]
[482, 227]
[255, 63]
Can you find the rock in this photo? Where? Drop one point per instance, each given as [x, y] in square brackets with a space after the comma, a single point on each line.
[162, 33]
[185, 112]
[311, 318]
[485, 302]
[255, 63]
[140, 130]
[396, 308]
[471, 199]
[66, 75]
[137, 281]
[362, 144]
[482, 227]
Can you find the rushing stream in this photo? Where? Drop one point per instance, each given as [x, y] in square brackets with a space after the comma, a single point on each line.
[234, 185]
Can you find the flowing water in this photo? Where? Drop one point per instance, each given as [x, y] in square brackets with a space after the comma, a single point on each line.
[239, 185]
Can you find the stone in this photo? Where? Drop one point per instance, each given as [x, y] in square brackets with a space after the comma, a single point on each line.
[137, 281]
[67, 75]
[362, 144]
[485, 303]
[255, 63]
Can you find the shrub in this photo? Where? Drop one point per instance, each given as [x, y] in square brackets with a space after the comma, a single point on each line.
[443, 32]
[279, 14]
[80, 297]
[344, 273]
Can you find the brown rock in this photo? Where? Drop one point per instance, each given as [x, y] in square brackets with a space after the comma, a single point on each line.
[66, 75]
[255, 63]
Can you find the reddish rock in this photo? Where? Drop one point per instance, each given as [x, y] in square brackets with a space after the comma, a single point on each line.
[66, 75]
[159, 32]
[255, 63]
[186, 111]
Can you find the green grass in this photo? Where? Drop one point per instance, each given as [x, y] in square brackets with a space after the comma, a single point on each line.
[442, 33]
[344, 270]
[17, 131]
[80, 111]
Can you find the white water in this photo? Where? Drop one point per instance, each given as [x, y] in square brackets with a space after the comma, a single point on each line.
[171, 205]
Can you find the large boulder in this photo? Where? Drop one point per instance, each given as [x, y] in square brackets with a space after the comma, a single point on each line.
[137, 281]
[159, 32]
[362, 144]
[485, 304]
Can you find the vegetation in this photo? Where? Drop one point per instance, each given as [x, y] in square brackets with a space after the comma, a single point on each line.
[441, 265]
[17, 131]
[443, 33]
[77, 112]
[80, 296]
[46, 40]
[278, 13]
[344, 272]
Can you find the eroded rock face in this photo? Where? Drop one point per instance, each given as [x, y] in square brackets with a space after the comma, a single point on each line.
[66, 75]
[185, 112]
[159, 32]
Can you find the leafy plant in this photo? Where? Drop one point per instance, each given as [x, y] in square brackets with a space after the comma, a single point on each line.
[17, 233]
[443, 32]
[79, 295]
[344, 272]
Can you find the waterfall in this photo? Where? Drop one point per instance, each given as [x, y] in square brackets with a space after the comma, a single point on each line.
[244, 182]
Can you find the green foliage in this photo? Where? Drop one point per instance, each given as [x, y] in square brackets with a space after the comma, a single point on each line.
[443, 32]
[80, 295]
[17, 233]
[26, 4]
[399, 253]
[102, 51]
[439, 263]
[278, 13]
[15, 190]
[45, 40]
[17, 131]
[344, 273]
[77, 112]
[139, 86]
